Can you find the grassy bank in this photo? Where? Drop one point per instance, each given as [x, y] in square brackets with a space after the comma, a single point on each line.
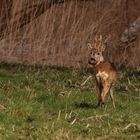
[48, 103]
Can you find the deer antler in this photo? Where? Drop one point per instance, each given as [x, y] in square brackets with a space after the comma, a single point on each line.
[98, 43]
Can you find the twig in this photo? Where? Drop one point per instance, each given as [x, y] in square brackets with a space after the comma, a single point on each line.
[130, 125]
[73, 121]
[86, 80]
[2, 107]
[59, 114]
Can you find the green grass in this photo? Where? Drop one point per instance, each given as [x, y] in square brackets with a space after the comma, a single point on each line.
[47, 103]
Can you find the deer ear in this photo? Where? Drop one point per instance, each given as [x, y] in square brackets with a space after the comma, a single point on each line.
[89, 46]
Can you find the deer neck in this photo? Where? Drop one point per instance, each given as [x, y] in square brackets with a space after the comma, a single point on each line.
[100, 61]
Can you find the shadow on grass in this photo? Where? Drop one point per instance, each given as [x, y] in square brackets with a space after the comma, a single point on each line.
[85, 105]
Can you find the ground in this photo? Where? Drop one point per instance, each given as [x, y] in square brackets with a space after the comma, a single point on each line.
[49, 103]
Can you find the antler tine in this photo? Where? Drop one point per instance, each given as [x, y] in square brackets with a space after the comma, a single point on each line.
[95, 42]
[100, 43]
[105, 41]
[103, 47]
[89, 45]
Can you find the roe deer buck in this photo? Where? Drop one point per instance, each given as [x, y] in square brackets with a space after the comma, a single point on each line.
[105, 73]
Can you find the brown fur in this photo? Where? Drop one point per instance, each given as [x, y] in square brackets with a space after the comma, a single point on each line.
[105, 72]
[109, 69]
[105, 85]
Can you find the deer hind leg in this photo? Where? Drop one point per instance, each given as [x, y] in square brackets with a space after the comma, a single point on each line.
[112, 97]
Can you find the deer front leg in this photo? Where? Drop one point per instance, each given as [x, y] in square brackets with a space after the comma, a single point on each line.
[105, 90]
[99, 99]
[99, 89]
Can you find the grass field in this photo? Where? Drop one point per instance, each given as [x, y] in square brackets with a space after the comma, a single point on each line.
[48, 103]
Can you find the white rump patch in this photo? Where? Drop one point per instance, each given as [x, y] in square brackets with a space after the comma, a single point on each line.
[103, 75]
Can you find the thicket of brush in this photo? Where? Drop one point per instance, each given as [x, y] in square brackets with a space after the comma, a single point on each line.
[56, 32]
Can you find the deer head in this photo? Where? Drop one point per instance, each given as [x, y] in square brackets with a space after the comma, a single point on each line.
[96, 50]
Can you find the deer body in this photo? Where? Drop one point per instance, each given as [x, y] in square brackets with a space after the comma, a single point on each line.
[105, 73]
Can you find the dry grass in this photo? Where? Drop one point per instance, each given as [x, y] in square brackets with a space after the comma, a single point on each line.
[57, 34]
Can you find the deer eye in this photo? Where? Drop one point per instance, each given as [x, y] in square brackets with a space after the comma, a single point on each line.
[98, 53]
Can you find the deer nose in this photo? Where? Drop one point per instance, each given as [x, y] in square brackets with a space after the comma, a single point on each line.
[92, 59]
